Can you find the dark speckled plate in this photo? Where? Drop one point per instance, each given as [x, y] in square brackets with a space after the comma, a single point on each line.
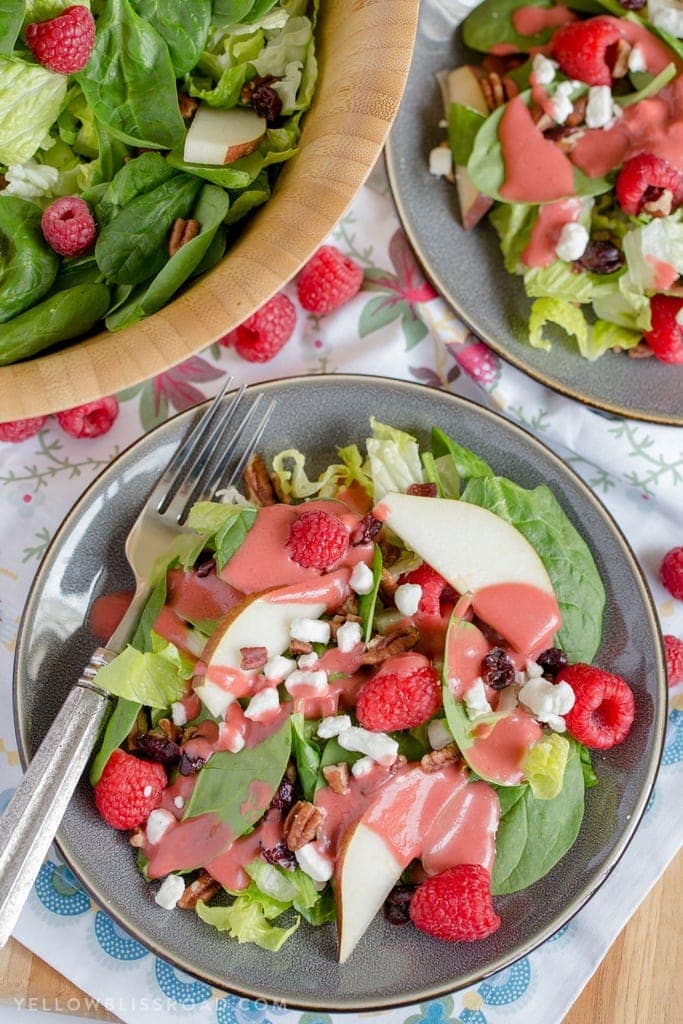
[86, 558]
[467, 267]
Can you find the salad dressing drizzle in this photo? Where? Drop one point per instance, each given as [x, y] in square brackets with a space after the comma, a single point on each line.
[529, 21]
[535, 169]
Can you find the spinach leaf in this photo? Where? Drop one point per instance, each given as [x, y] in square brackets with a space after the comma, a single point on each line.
[463, 125]
[466, 462]
[229, 12]
[28, 266]
[132, 246]
[367, 602]
[540, 518]
[184, 27]
[129, 80]
[136, 177]
[236, 176]
[225, 785]
[121, 721]
[226, 92]
[491, 24]
[242, 203]
[210, 212]
[11, 20]
[213, 255]
[112, 154]
[533, 835]
[590, 777]
[225, 526]
[306, 755]
[142, 638]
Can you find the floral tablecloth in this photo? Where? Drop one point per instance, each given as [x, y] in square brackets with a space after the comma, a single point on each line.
[396, 326]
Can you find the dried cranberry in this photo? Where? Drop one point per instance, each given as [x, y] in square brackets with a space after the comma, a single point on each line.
[260, 95]
[423, 490]
[367, 530]
[279, 855]
[284, 797]
[207, 565]
[190, 765]
[397, 904]
[632, 5]
[601, 257]
[497, 670]
[158, 748]
[552, 660]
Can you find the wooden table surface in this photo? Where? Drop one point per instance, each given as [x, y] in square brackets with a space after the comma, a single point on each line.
[639, 981]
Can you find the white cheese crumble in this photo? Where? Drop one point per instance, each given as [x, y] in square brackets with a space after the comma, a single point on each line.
[278, 668]
[306, 683]
[348, 636]
[600, 107]
[636, 60]
[312, 631]
[214, 697]
[333, 725]
[363, 766]
[308, 660]
[158, 823]
[475, 700]
[170, 891]
[315, 864]
[438, 734]
[179, 802]
[533, 670]
[543, 69]
[30, 180]
[667, 15]
[377, 745]
[262, 704]
[178, 713]
[440, 162]
[361, 579]
[548, 701]
[679, 316]
[572, 242]
[230, 738]
[561, 105]
[407, 598]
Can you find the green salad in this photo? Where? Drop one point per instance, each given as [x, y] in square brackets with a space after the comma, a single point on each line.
[181, 115]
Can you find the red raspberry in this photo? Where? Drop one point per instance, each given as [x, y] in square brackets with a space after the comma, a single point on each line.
[456, 905]
[68, 226]
[643, 178]
[64, 43]
[435, 589]
[587, 49]
[89, 420]
[265, 332]
[21, 430]
[129, 789]
[671, 572]
[604, 708]
[674, 659]
[317, 539]
[328, 280]
[392, 700]
[665, 337]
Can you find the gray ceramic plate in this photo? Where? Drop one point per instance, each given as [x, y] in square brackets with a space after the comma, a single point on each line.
[467, 267]
[392, 965]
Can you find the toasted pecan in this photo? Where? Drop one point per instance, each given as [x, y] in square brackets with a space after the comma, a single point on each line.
[300, 647]
[301, 824]
[253, 657]
[387, 584]
[337, 777]
[203, 888]
[188, 105]
[623, 52]
[258, 487]
[437, 759]
[383, 647]
[182, 232]
[641, 351]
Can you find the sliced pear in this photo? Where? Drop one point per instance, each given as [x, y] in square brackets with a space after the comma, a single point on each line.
[222, 136]
[462, 86]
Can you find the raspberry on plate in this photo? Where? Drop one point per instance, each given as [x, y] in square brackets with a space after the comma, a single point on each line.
[665, 337]
[68, 226]
[435, 589]
[674, 659]
[586, 50]
[604, 707]
[129, 789]
[317, 539]
[456, 905]
[392, 700]
[21, 430]
[265, 332]
[643, 179]
[671, 572]
[328, 280]
[91, 419]
[64, 43]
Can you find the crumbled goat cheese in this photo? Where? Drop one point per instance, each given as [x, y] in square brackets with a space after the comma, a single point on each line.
[262, 704]
[377, 745]
[363, 766]
[158, 823]
[312, 631]
[533, 670]
[179, 802]
[278, 668]
[636, 60]
[572, 242]
[306, 683]
[600, 107]
[348, 636]
[438, 734]
[315, 864]
[440, 162]
[475, 700]
[178, 713]
[561, 105]
[230, 737]
[543, 69]
[333, 725]
[407, 598]
[361, 579]
[170, 891]
[214, 697]
[667, 15]
[308, 660]
[548, 701]
[30, 180]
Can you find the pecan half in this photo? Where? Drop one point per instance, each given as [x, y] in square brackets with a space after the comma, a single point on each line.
[641, 351]
[203, 888]
[383, 647]
[390, 553]
[301, 824]
[437, 759]
[387, 584]
[300, 647]
[578, 114]
[423, 490]
[621, 56]
[400, 762]
[3, 183]
[258, 487]
[168, 729]
[253, 657]
[661, 204]
[281, 494]
[339, 620]
[493, 90]
[337, 777]
[188, 106]
[182, 232]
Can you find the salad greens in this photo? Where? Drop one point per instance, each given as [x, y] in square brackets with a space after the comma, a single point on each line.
[540, 817]
[114, 135]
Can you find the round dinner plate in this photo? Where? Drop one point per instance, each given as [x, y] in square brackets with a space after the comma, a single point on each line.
[391, 966]
[467, 266]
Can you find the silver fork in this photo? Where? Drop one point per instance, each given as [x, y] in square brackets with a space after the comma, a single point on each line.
[36, 809]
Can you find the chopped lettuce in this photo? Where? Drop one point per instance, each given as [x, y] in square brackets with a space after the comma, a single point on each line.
[248, 919]
[654, 252]
[556, 311]
[513, 222]
[605, 335]
[395, 461]
[290, 468]
[31, 98]
[149, 679]
[544, 766]
[223, 526]
[559, 281]
[624, 307]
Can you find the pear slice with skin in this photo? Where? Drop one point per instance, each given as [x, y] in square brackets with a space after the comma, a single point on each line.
[462, 86]
[222, 136]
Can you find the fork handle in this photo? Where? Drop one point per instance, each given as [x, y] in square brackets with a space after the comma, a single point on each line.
[32, 817]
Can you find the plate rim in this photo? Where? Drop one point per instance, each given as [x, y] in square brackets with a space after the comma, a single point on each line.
[523, 948]
[561, 387]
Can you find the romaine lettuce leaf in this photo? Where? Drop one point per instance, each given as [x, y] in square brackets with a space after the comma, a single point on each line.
[556, 311]
[544, 766]
[31, 98]
[652, 248]
[225, 526]
[395, 461]
[248, 919]
[149, 679]
[513, 222]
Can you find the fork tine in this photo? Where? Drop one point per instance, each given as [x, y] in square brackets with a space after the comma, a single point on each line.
[172, 474]
[201, 457]
[215, 478]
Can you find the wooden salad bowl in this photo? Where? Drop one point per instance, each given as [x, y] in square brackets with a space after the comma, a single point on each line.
[364, 49]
